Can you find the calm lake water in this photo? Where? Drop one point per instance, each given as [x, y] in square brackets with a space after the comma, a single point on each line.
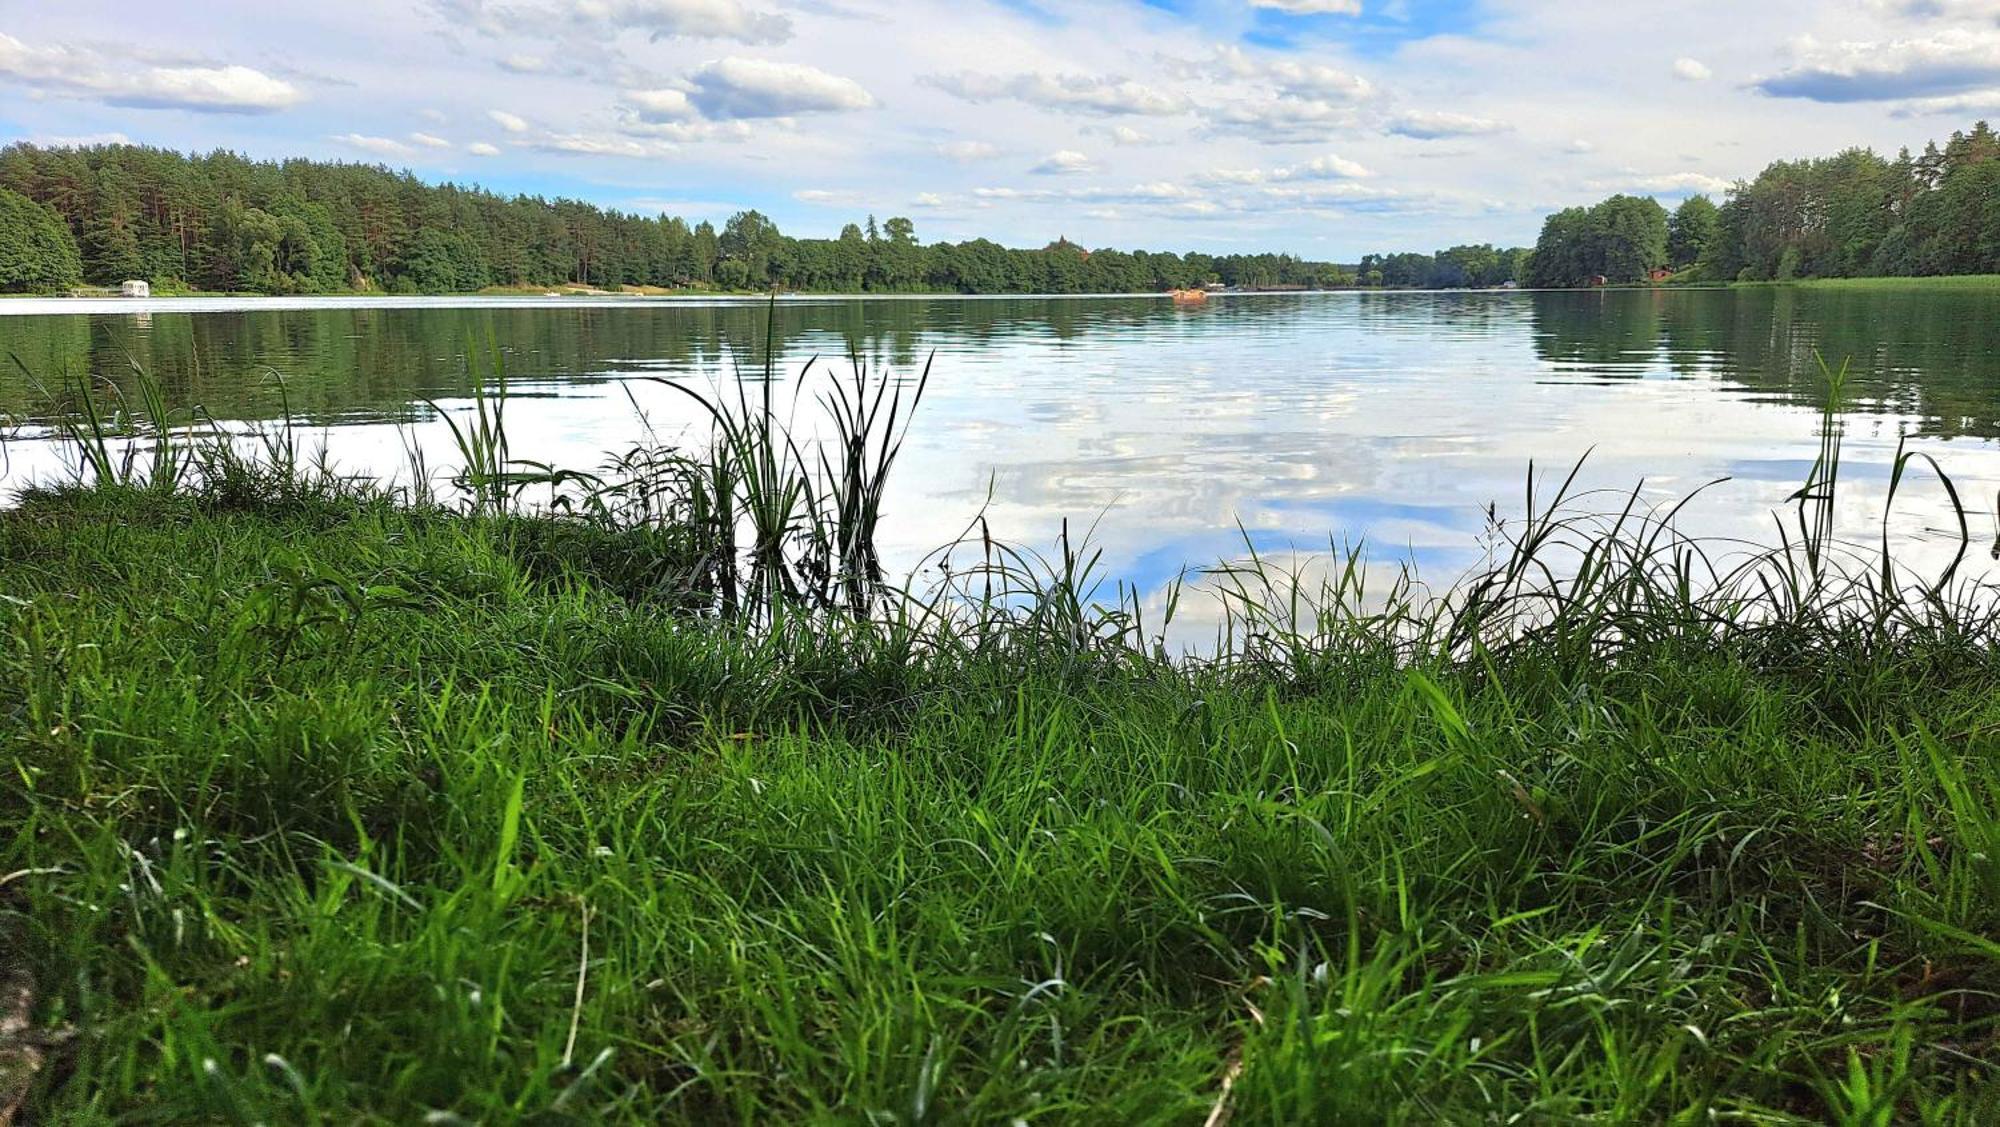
[1307, 420]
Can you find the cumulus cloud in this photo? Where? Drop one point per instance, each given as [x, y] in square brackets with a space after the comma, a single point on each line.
[684, 132]
[1123, 135]
[1957, 105]
[1670, 184]
[598, 145]
[1330, 167]
[690, 19]
[1949, 61]
[1327, 167]
[524, 64]
[660, 105]
[429, 141]
[1692, 70]
[80, 72]
[1063, 93]
[380, 146]
[1273, 99]
[754, 88]
[482, 149]
[79, 142]
[1273, 76]
[1065, 162]
[512, 123]
[1429, 125]
[1280, 120]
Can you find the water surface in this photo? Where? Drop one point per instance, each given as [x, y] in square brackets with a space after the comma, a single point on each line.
[1295, 421]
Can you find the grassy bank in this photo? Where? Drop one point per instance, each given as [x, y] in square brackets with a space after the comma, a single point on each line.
[326, 805]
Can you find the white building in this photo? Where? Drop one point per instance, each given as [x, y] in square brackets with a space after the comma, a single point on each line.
[135, 289]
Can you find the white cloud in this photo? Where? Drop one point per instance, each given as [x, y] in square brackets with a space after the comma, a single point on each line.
[524, 64]
[1949, 61]
[1579, 146]
[380, 146]
[751, 88]
[692, 19]
[1673, 183]
[79, 142]
[599, 145]
[1957, 105]
[1327, 167]
[1307, 80]
[1231, 64]
[660, 105]
[482, 149]
[1063, 93]
[967, 152]
[671, 115]
[1427, 125]
[231, 89]
[928, 200]
[1064, 162]
[512, 123]
[1126, 135]
[85, 73]
[1281, 120]
[429, 141]
[820, 197]
[1692, 70]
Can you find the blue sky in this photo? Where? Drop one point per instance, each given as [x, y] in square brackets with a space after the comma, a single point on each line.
[1329, 128]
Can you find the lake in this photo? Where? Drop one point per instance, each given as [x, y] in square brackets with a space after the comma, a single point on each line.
[1297, 421]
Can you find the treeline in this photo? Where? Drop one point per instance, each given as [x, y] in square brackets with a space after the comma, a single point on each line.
[107, 213]
[1479, 266]
[1855, 214]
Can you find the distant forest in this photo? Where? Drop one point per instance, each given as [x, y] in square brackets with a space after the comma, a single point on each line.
[222, 222]
[109, 213]
[1852, 215]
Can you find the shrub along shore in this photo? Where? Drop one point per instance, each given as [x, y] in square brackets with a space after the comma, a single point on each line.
[328, 802]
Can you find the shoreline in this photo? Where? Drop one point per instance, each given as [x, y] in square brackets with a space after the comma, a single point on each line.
[525, 297]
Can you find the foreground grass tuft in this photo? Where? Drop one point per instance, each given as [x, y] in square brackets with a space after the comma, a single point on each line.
[335, 810]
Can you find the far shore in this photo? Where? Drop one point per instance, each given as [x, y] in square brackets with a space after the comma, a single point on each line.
[112, 296]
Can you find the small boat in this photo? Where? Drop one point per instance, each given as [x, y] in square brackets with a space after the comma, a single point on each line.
[1188, 297]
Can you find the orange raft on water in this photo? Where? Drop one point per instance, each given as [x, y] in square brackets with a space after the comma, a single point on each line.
[1189, 297]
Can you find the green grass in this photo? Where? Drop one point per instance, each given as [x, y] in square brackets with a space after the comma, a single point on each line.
[308, 810]
[321, 805]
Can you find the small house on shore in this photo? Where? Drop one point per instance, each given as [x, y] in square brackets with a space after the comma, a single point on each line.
[135, 289]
